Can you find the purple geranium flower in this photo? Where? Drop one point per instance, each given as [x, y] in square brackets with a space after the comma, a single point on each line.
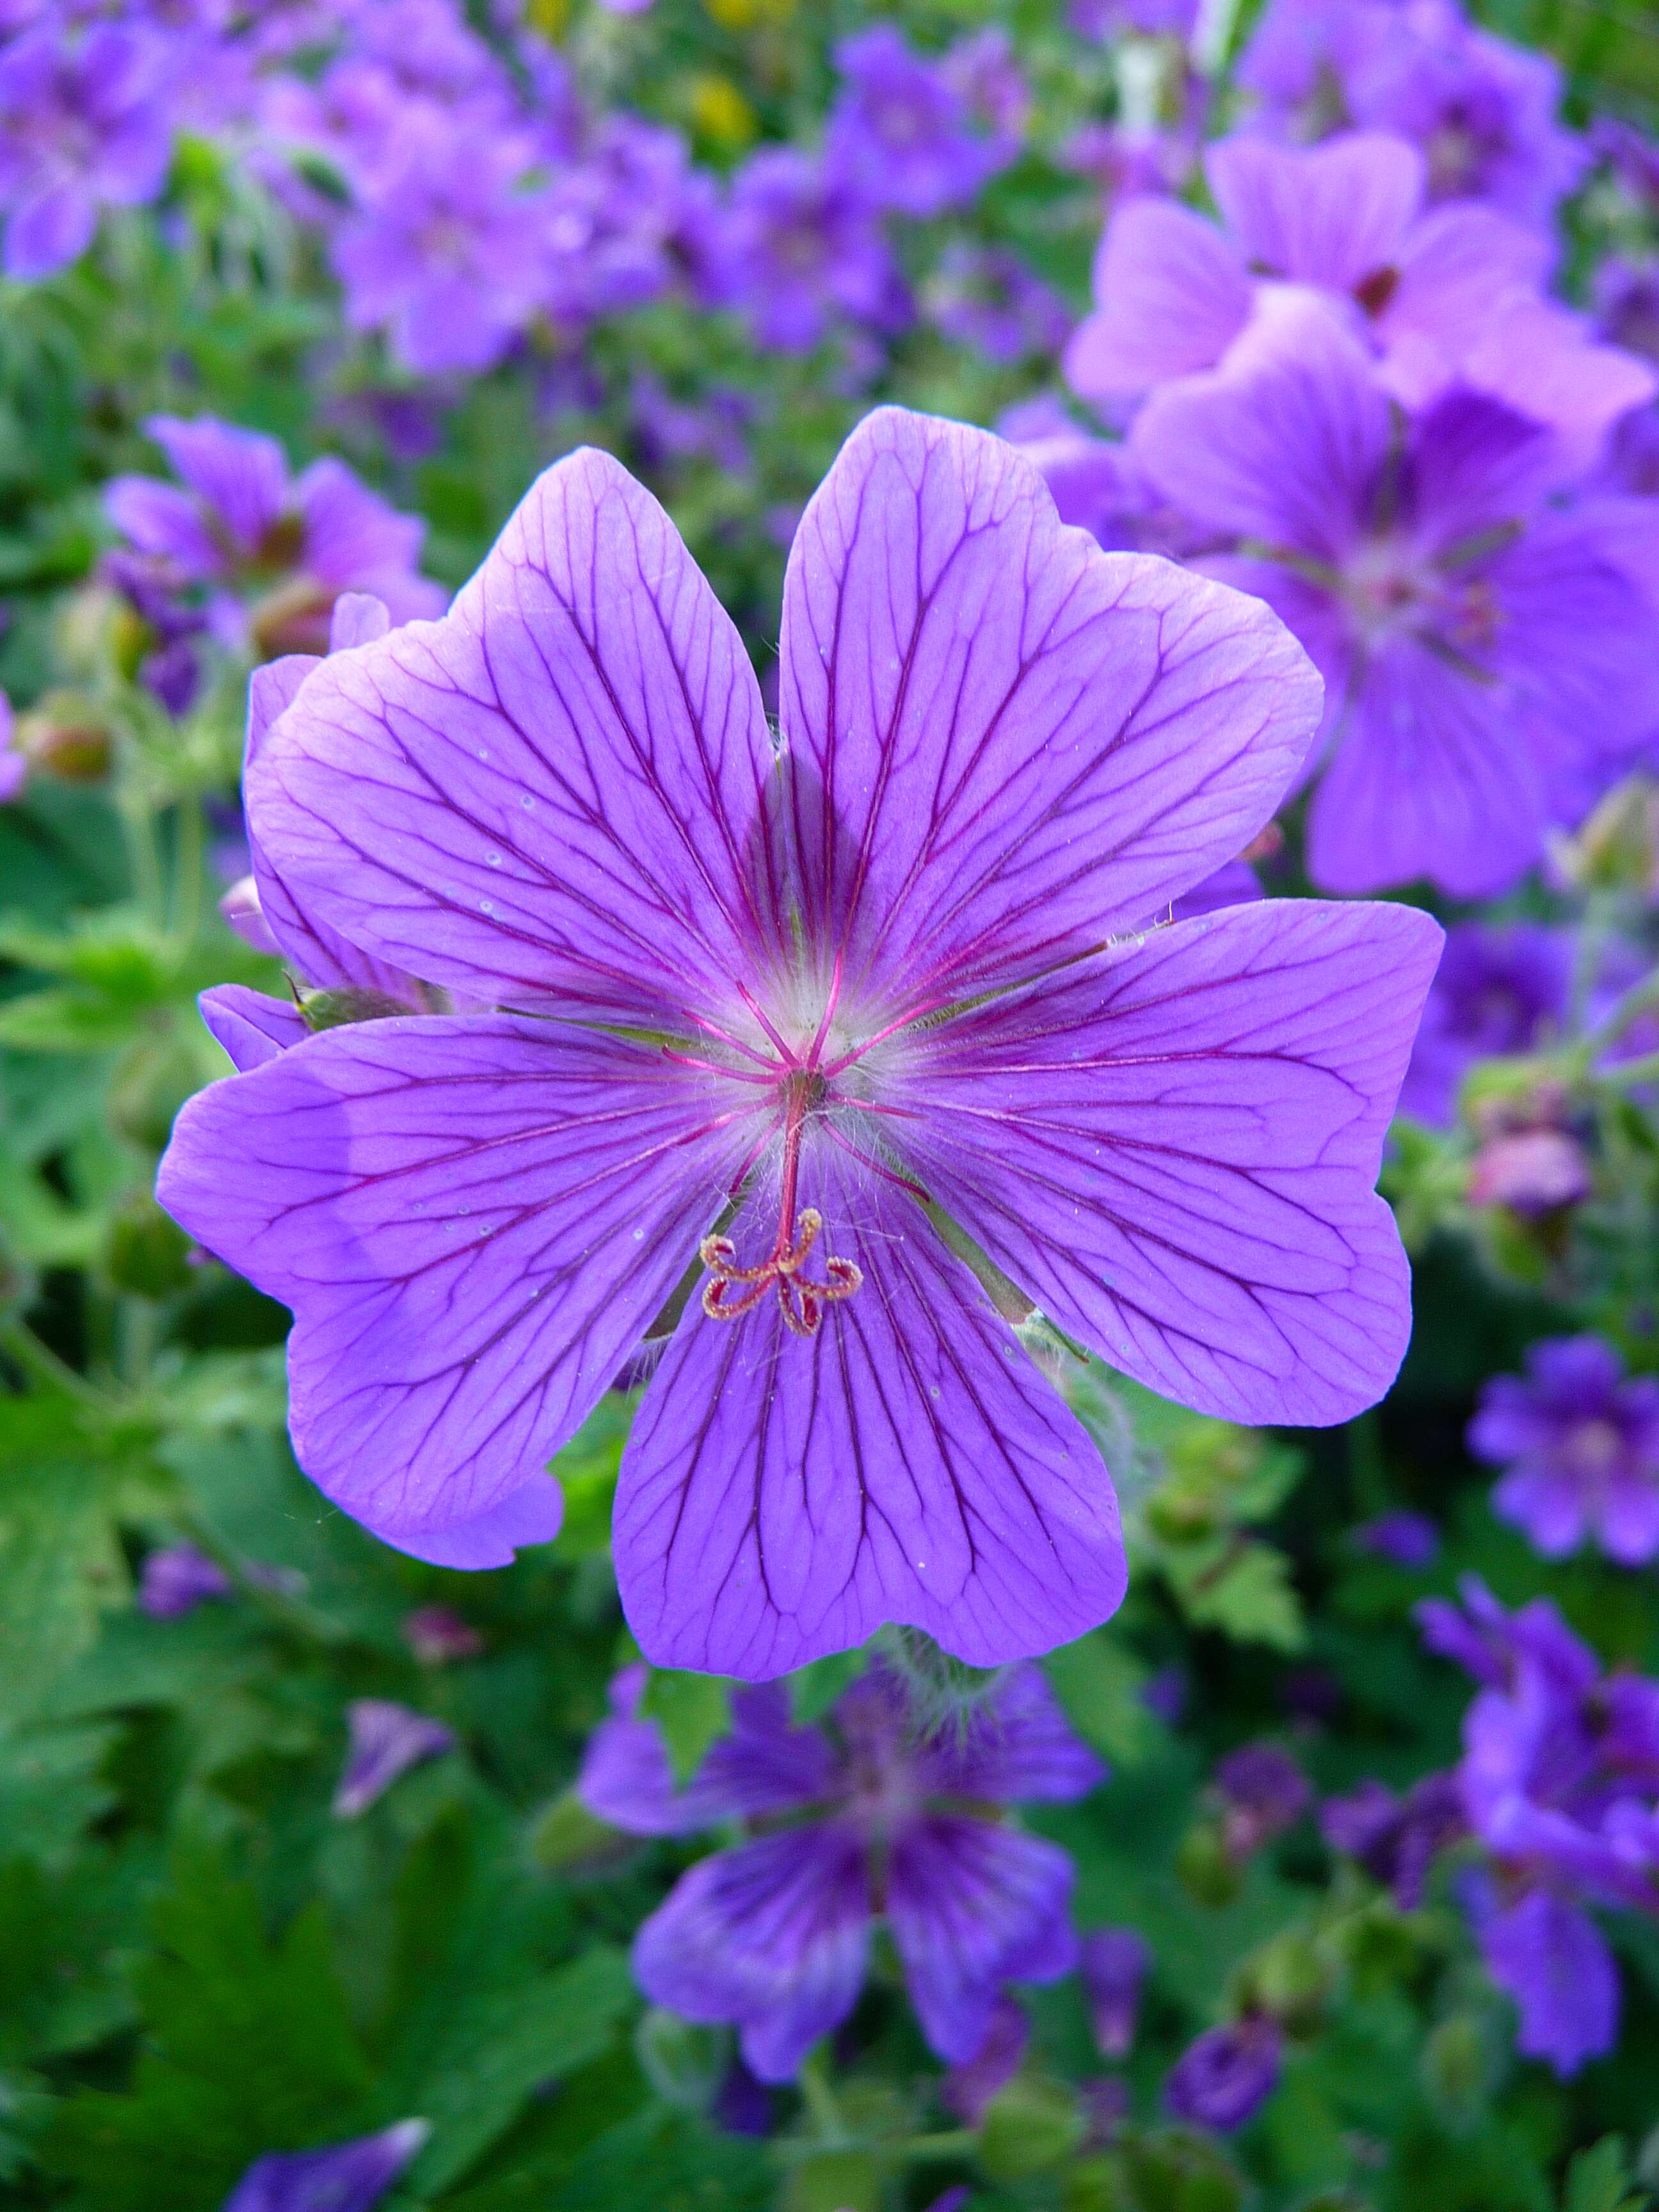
[1405, 1540]
[1263, 1791]
[986, 296]
[1396, 1839]
[804, 250]
[1482, 110]
[1560, 1781]
[1482, 650]
[902, 135]
[1227, 2076]
[1581, 1445]
[447, 249]
[176, 1578]
[385, 1741]
[348, 2176]
[1115, 1961]
[14, 762]
[1448, 297]
[1501, 987]
[243, 524]
[776, 1009]
[773, 1936]
[82, 124]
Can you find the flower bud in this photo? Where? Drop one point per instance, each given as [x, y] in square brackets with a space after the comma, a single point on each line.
[1617, 847]
[1033, 2126]
[335, 1010]
[1532, 1172]
[67, 736]
[1206, 1869]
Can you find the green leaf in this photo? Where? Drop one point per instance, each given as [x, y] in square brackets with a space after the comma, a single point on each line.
[59, 1561]
[1099, 1683]
[691, 1710]
[251, 2049]
[1598, 2180]
[1248, 1595]
[496, 2052]
[672, 2161]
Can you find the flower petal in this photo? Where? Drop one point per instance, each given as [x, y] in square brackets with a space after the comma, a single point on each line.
[1004, 743]
[318, 954]
[1555, 1961]
[240, 476]
[1330, 215]
[972, 1905]
[1174, 1153]
[1016, 1744]
[1170, 294]
[252, 1026]
[474, 1220]
[549, 796]
[1287, 450]
[771, 1937]
[1432, 777]
[779, 1499]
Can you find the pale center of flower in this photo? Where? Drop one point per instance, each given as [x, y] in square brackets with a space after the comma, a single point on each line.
[1391, 589]
[803, 1287]
[1594, 1448]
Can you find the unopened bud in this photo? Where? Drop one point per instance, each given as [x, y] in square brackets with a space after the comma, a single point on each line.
[1531, 1171]
[335, 1010]
[1206, 1869]
[1030, 2127]
[293, 618]
[1617, 847]
[1289, 1980]
[67, 736]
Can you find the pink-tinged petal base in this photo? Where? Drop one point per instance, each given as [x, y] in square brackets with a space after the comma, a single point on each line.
[474, 1220]
[781, 1499]
[1174, 1153]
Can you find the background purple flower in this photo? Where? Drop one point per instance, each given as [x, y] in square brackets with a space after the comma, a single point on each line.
[348, 2176]
[175, 1578]
[244, 525]
[554, 1177]
[1224, 2078]
[1115, 1961]
[1397, 1838]
[804, 251]
[1560, 1781]
[83, 124]
[1580, 1448]
[902, 135]
[1482, 651]
[1407, 1540]
[387, 1741]
[1501, 988]
[1445, 299]
[447, 250]
[773, 1936]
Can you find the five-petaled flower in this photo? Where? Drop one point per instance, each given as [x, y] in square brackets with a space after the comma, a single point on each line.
[882, 1811]
[818, 1014]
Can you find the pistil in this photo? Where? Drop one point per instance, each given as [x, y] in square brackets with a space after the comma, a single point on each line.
[732, 1292]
